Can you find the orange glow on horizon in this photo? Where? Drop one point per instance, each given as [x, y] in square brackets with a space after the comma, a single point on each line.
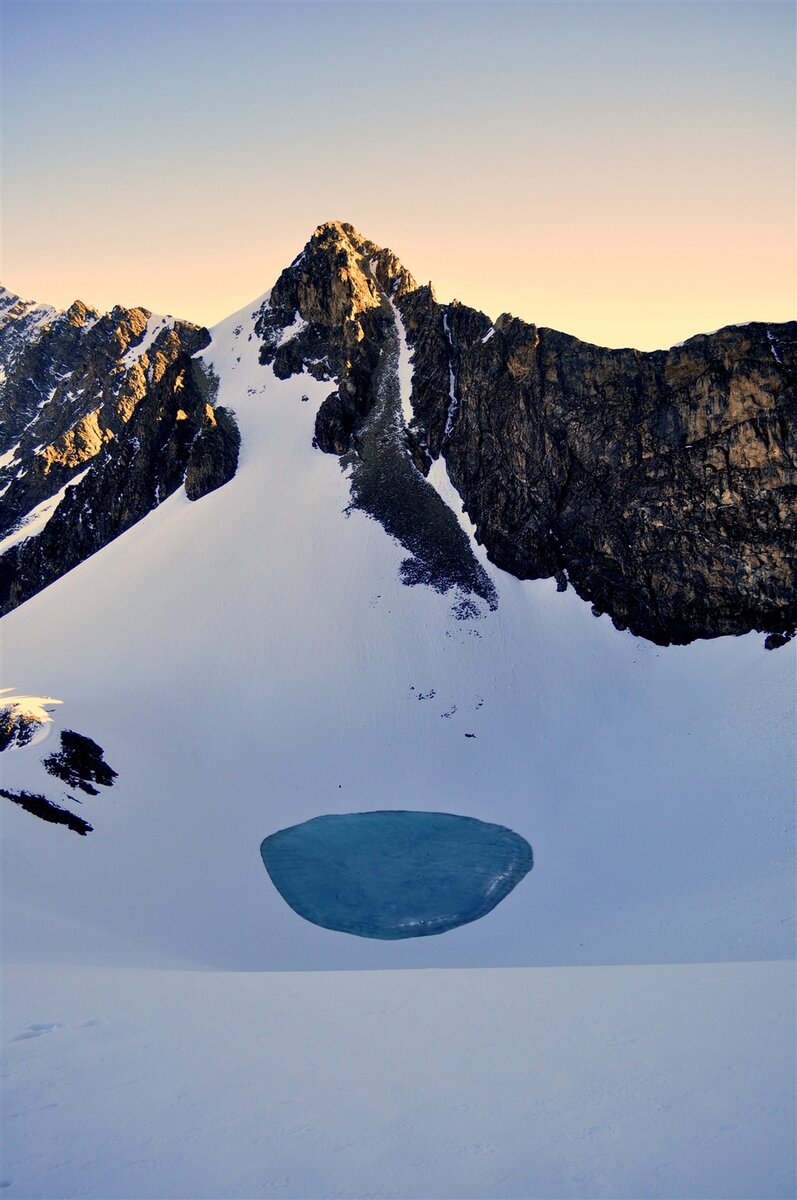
[624, 172]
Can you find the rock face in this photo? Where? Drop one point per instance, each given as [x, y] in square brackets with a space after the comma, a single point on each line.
[102, 418]
[662, 486]
[213, 456]
[336, 292]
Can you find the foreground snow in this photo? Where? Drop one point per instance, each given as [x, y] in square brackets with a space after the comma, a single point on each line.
[670, 1081]
[251, 661]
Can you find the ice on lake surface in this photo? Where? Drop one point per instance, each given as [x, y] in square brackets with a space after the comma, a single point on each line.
[395, 874]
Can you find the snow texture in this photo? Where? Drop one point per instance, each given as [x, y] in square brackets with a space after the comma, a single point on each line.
[452, 394]
[33, 315]
[404, 368]
[574, 1082]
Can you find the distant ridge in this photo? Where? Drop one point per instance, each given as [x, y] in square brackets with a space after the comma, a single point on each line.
[660, 485]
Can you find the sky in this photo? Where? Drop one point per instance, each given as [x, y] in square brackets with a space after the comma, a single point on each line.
[623, 171]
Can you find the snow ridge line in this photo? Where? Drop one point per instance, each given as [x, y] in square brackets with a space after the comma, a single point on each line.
[773, 345]
[453, 406]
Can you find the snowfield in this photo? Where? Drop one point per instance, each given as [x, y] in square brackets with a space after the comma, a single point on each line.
[620, 1026]
[584, 1081]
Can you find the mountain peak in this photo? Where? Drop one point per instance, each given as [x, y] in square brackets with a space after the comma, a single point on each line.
[338, 276]
[571, 461]
[342, 230]
[79, 313]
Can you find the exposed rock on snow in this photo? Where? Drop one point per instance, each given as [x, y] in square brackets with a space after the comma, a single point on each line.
[155, 428]
[40, 806]
[661, 485]
[23, 719]
[80, 763]
[213, 456]
[386, 484]
[774, 641]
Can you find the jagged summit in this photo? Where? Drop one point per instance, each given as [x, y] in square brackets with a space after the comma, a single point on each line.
[338, 275]
[342, 235]
[79, 313]
[341, 232]
[660, 485]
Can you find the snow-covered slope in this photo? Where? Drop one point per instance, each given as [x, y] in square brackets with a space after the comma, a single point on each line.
[252, 660]
[546, 1082]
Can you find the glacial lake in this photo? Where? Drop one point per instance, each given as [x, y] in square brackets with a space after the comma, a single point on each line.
[395, 874]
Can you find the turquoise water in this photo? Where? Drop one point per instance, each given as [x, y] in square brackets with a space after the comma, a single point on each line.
[395, 874]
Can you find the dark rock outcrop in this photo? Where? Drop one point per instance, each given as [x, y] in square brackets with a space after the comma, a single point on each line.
[40, 806]
[386, 485]
[662, 486]
[330, 313]
[80, 763]
[72, 388]
[335, 290]
[213, 456]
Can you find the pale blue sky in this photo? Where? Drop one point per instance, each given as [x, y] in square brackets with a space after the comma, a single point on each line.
[624, 170]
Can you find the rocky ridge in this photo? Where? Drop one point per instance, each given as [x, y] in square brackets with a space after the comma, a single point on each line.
[102, 417]
[662, 485]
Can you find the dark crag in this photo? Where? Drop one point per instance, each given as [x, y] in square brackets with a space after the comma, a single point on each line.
[80, 763]
[386, 485]
[662, 486]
